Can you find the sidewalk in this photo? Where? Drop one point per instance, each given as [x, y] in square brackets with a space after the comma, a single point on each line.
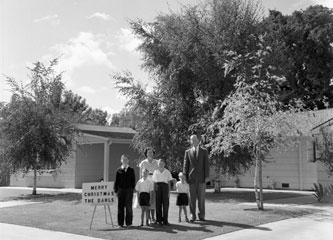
[15, 232]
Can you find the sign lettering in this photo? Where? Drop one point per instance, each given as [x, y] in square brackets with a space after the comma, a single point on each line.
[98, 193]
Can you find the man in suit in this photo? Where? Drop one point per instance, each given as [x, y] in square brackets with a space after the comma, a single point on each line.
[196, 170]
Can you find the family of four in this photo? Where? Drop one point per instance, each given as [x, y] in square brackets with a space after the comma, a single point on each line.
[153, 187]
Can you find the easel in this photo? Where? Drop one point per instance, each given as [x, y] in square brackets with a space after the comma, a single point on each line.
[99, 194]
[106, 221]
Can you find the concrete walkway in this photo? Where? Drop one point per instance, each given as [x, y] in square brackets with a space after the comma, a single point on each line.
[15, 232]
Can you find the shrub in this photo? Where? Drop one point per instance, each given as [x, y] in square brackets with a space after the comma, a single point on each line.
[320, 191]
[330, 189]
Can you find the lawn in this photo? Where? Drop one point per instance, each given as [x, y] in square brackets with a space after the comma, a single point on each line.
[225, 212]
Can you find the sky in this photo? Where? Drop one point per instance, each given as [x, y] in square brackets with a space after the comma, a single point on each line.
[92, 39]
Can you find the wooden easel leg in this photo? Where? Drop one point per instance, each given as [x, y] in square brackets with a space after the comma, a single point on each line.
[92, 218]
[106, 221]
[110, 215]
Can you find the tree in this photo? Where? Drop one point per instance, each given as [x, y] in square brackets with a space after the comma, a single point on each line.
[115, 119]
[303, 54]
[80, 110]
[126, 118]
[37, 133]
[324, 147]
[185, 54]
[153, 122]
[252, 117]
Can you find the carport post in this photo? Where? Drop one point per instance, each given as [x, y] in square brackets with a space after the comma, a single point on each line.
[107, 143]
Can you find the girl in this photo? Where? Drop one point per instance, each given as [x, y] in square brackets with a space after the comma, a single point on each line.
[144, 187]
[183, 190]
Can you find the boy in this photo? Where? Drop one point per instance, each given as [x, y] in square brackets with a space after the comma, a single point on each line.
[144, 187]
[123, 187]
[162, 178]
[183, 191]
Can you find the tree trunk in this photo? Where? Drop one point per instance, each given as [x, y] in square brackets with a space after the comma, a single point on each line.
[34, 189]
[258, 181]
[255, 183]
[261, 195]
[217, 182]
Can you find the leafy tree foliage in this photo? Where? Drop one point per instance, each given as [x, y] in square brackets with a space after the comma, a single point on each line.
[185, 54]
[303, 53]
[252, 118]
[195, 57]
[153, 122]
[186, 51]
[324, 148]
[115, 119]
[126, 118]
[36, 132]
[81, 111]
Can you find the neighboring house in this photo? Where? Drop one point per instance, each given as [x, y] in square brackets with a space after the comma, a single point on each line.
[96, 156]
[295, 168]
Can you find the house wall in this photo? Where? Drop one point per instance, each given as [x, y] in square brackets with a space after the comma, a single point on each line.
[89, 163]
[292, 168]
[62, 178]
[324, 178]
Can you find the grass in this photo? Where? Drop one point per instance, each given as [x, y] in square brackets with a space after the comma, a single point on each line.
[225, 212]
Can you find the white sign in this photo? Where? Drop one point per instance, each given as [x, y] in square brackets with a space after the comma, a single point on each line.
[98, 193]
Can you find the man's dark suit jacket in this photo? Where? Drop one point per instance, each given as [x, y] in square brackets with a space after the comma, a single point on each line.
[196, 167]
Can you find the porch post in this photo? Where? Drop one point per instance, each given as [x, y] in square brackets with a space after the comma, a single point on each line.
[106, 160]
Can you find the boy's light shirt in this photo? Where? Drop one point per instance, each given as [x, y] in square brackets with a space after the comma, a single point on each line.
[144, 185]
[182, 187]
[164, 176]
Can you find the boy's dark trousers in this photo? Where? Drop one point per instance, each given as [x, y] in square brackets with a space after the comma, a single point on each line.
[162, 202]
[125, 200]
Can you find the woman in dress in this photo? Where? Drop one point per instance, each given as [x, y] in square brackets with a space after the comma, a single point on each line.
[151, 165]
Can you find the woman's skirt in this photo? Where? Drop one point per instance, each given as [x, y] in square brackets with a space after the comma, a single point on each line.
[153, 200]
[144, 199]
[182, 199]
[153, 195]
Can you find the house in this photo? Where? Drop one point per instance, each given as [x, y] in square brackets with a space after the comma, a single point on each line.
[296, 167]
[96, 156]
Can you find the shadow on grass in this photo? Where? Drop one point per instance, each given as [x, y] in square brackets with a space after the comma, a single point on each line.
[172, 228]
[290, 213]
[195, 226]
[232, 224]
[246, 196]
[48, 197]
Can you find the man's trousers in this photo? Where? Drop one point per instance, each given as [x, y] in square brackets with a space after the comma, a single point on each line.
[162, 202]
[197, 191]
[125, 201]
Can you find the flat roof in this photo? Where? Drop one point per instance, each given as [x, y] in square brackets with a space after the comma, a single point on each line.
[100, 128]
[107, 131]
